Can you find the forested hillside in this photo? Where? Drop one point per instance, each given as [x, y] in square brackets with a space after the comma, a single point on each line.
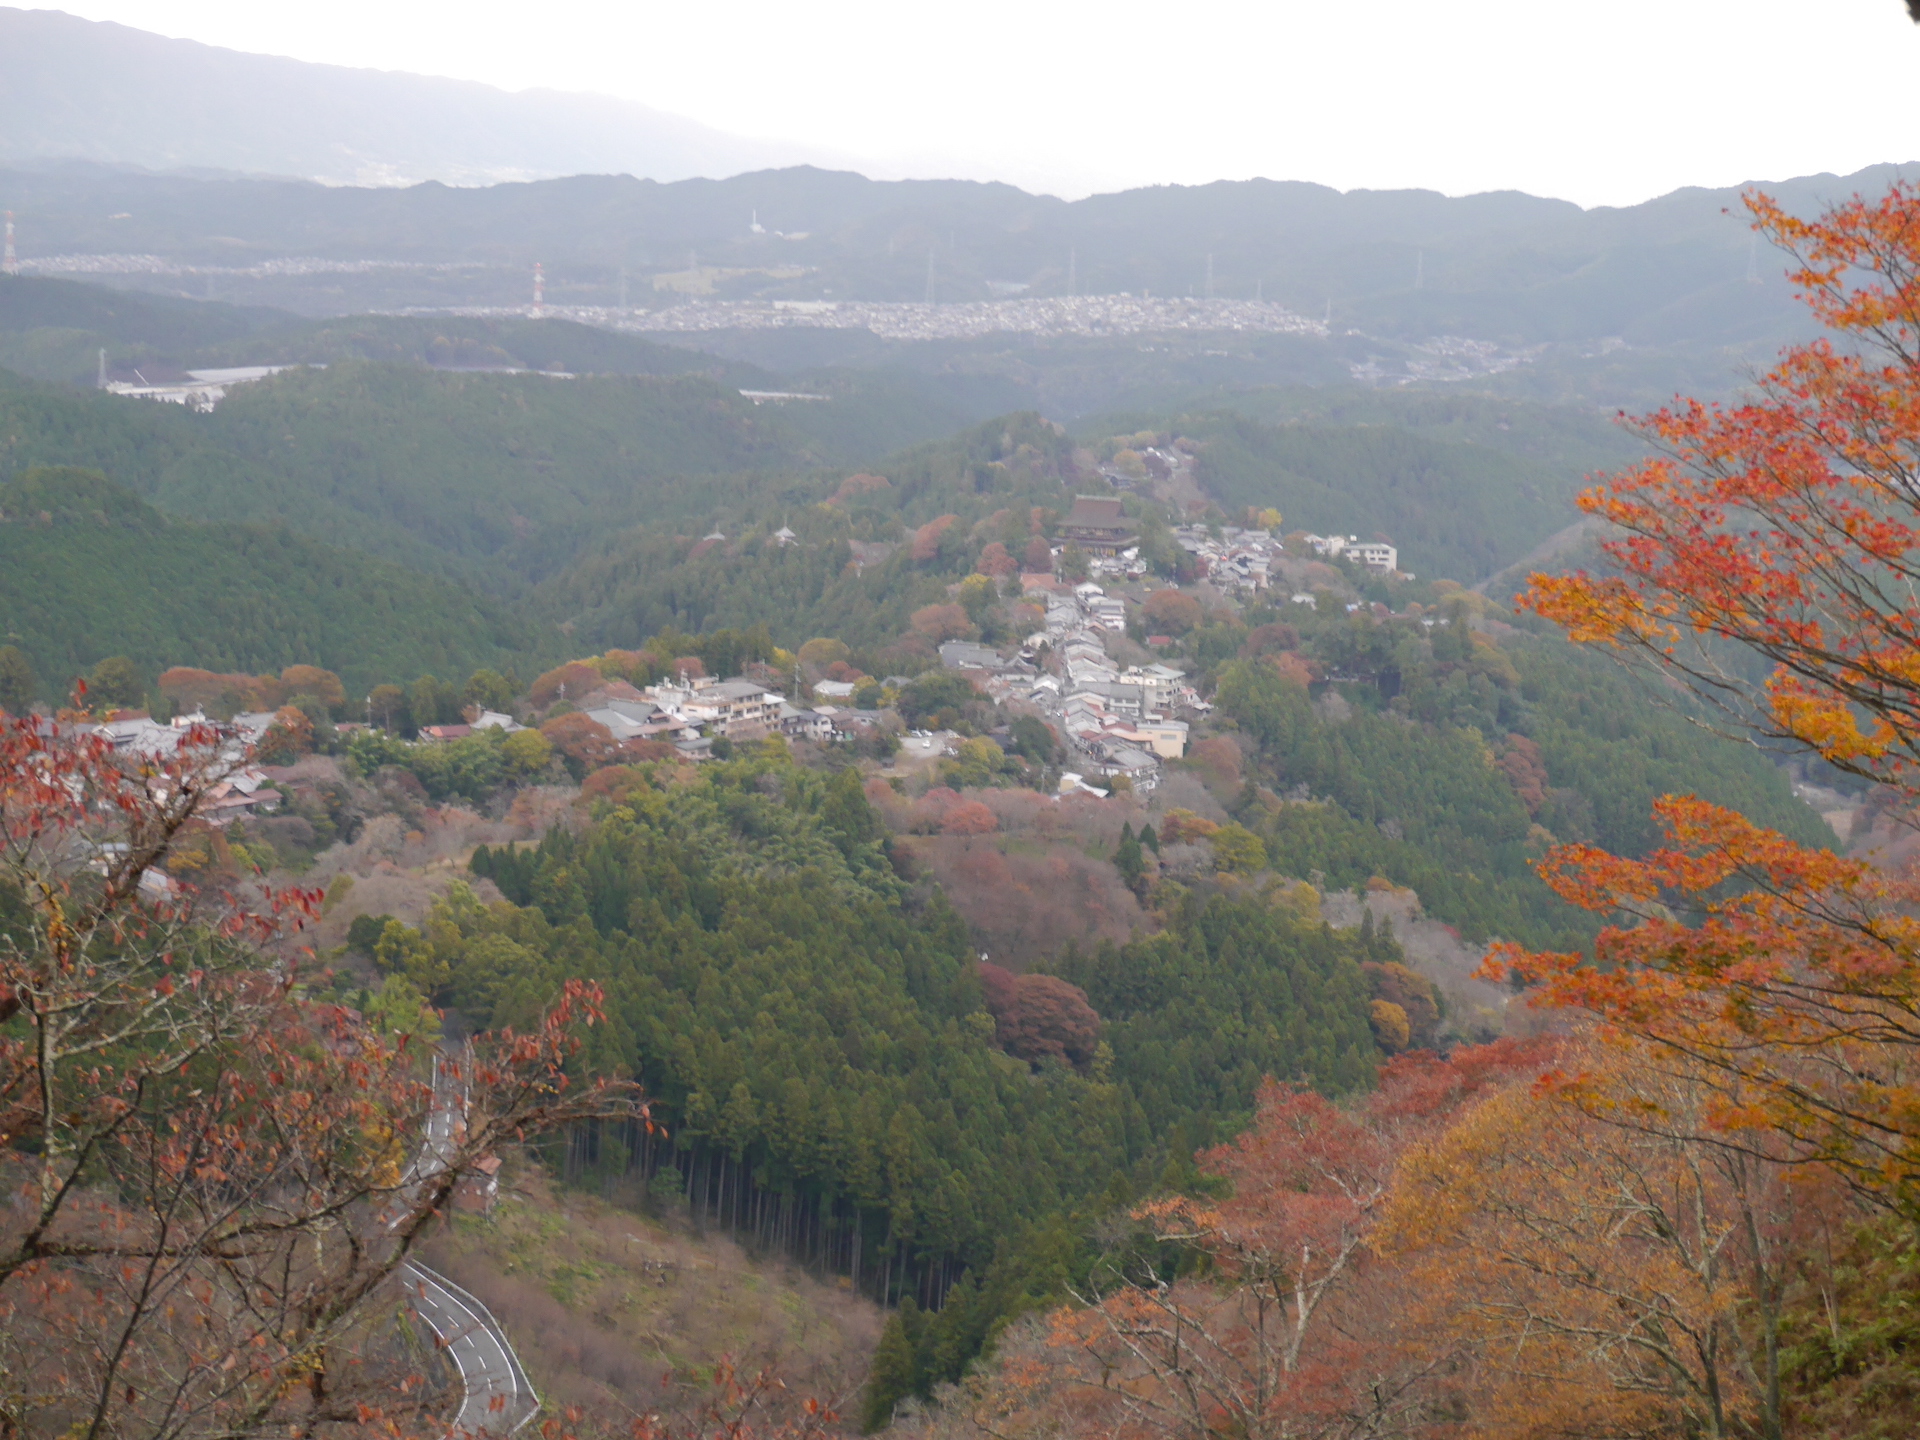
[88, 570]
[53, 329]
[499, 478]
[795, 778]
[920, 531]
[820, 1043]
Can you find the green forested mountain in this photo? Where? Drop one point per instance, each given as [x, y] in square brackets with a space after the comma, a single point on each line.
[633, 584]
[497, 477]
[494, 469]
[1456, 510]
[1462, 759]
[1508, 267]
[54, 329]
[817, 1039]
[88, 570]
[1466, 485]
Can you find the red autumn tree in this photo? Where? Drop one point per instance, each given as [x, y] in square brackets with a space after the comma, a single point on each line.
[1171, 613]
[1787, 524]
[1039, 1017]
[969, 817]
[570, 681]
[855, 486]
[1221, 759]
[288, 738]
[994, 560]
[1294, 1329]
[323, 685]
[213, 1174]
[1269, 639]
[585, 743]
[926, 540]
[189, 689]
[1526, 771]
[942, 622]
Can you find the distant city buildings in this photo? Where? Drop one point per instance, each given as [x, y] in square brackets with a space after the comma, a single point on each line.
[1060, 315]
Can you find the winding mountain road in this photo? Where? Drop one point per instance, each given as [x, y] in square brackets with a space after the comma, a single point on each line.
[498, 1397]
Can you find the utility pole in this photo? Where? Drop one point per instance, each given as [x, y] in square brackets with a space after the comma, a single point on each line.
[100, 379]
[539, 290]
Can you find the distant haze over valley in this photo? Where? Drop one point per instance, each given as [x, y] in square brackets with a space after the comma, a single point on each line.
[168, 166]
[1253, 282]
[78, 89]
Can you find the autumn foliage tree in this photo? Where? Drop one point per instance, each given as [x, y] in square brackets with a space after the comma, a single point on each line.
[1171, 612]
[1787, 979]
[1787, 525]
[584, 743]
[926, 540]
[1776, 987]
[1293, 1325]
[1606, 1265]
[210, 1174]
[1040, 1017]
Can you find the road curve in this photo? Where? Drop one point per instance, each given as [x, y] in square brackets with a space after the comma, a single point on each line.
[498, 1398]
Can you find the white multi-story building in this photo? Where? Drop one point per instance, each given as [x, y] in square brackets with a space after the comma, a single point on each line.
[736, 707]
[1375, 555]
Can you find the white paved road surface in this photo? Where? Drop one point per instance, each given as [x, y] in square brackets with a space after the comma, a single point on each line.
[499, 1398]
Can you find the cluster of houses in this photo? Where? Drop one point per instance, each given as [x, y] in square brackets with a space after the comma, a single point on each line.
[245, 789]
[688, 713]
[1250, 561]
[1117, 720]
[1233, 558]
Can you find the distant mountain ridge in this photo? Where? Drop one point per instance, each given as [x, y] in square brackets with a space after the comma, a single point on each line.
[74, 89]
[1502, 267]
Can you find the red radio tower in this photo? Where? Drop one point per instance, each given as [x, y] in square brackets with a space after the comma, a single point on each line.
[539, 289]
[10, 262]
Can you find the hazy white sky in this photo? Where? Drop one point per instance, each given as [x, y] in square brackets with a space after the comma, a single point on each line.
[1601, 103]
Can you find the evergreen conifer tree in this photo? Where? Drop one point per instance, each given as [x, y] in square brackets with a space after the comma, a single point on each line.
[896, 1366]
